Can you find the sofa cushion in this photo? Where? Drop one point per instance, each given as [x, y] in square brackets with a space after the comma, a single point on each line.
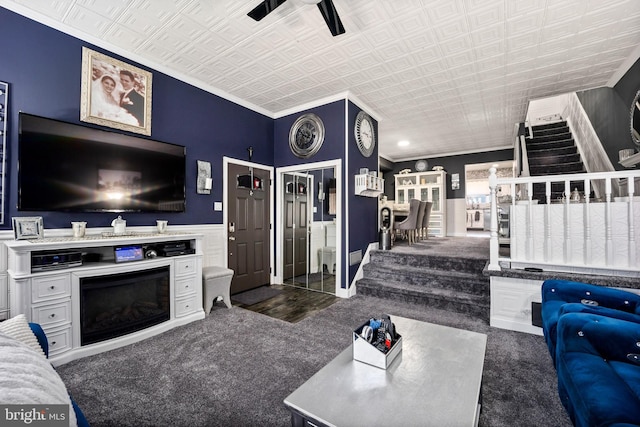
[597, 382]
[18, 328]
[26, 377]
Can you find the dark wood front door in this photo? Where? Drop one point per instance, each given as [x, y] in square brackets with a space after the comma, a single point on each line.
[295, 228]
[248, 227]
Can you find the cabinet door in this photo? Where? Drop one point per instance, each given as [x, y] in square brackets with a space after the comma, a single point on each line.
[436, 199]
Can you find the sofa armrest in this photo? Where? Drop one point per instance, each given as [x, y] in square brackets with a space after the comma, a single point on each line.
[41, 337]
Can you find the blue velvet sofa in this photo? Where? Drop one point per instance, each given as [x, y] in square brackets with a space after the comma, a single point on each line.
[598, 366]
[593, 336]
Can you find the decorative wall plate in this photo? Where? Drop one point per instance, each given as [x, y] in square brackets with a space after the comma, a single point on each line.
[421, 165]
[365, 134]
[306, 135]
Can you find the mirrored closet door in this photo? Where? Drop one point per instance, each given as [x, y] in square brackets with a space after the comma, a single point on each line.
[308, 227]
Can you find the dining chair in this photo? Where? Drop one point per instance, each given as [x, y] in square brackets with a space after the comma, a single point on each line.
[424, 228]
[417, 231]
[408, 225]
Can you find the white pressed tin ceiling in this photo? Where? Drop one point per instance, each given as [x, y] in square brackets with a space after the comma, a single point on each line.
[450, 76]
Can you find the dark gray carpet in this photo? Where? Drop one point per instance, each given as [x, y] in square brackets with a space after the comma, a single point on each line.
[254, 296]
[235, 368]
[467, 247]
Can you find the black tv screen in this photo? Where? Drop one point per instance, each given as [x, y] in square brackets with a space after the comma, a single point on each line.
[69, 167]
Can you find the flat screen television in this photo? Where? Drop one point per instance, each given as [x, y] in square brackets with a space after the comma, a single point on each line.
[68, 167]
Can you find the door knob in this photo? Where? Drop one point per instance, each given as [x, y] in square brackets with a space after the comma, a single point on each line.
[232, 238]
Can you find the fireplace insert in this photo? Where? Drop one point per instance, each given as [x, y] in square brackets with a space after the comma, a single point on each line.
[118, 304]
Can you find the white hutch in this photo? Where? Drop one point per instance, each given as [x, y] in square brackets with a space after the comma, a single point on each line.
[426, 186]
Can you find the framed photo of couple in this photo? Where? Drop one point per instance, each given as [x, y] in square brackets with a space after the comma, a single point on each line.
[115, 94]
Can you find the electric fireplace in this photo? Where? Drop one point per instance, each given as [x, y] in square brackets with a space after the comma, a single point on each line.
[118, 304]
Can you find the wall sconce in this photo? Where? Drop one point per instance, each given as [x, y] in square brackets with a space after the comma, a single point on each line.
[204, 182]
[455, 181]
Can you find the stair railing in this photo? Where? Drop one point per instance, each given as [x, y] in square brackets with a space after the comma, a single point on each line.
[590, 235]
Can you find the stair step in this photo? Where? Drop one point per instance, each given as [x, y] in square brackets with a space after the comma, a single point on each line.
[432, 279]
[401, 260]
[554, 160]
[557, 169]
[537, 133]
[550, 144]
[448, 300]
[552, 151]
[554, 125]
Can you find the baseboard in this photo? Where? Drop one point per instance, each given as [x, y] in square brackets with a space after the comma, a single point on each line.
[515, 326]
[359, 274]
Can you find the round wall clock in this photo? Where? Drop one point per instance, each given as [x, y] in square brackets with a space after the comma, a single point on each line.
[365, 134]
[421, 165]
[306, 135]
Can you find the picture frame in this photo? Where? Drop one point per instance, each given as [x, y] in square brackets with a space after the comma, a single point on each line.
[28, 227]
[115, 94]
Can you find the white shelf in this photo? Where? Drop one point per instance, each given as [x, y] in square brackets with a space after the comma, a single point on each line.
[369, 185]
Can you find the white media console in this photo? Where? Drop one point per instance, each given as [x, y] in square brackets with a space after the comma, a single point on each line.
[51, 296]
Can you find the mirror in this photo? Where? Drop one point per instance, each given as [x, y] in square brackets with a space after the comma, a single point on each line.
[308, 229]
[635, 120]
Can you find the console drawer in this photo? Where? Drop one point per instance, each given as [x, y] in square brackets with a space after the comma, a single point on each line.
[185, 266]
[59, 341]
[185, 286]
[186, 306]
[52, 314]
[50, 287]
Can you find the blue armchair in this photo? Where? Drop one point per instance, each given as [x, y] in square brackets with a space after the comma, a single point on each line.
[560, 297]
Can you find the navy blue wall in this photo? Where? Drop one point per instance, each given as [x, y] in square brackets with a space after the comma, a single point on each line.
[363, 211]
[332, 115]
[43, 68]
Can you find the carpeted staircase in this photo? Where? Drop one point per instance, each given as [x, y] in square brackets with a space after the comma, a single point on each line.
[552, 151]
[446, 282]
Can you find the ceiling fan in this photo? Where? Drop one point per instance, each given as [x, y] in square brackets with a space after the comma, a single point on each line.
[327, 9]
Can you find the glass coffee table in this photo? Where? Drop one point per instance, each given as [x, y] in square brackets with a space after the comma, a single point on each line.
[435, 381]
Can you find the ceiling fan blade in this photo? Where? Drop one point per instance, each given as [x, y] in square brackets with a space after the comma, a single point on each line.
[264, 8]
[330, 15]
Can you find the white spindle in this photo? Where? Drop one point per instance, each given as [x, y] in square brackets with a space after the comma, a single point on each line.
[607, 222]
[587, 222]
[547, 224]
[494, 244]
[632, 230]
[530, 236]
[567, 222]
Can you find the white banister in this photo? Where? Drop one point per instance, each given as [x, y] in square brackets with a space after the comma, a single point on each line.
[585, 233]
